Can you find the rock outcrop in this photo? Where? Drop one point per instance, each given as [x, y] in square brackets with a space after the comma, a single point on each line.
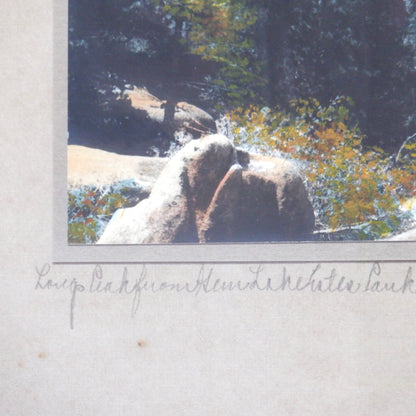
[188, 117]
[135, 124]
[205, 195]
[88, 166]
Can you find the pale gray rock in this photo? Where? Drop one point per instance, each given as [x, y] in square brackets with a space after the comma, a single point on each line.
[95, 167]
[266, 202]
[169, 214]
[204, 195]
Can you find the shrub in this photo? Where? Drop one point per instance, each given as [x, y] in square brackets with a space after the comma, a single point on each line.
[90, 208]
[351, 187]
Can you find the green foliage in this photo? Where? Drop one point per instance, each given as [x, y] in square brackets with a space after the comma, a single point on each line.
[351, 186]
[221, 32]
[222, 54]
[353, 48]
[90, 209]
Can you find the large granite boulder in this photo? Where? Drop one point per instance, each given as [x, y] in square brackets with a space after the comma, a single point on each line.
[267, 201]
[204, 194]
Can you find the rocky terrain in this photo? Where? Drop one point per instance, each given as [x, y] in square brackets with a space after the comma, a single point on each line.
[206, 194]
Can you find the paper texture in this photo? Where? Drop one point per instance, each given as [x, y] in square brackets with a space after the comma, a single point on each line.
[258, 338]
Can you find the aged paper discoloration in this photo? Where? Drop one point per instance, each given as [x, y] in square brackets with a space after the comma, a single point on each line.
[77, 342]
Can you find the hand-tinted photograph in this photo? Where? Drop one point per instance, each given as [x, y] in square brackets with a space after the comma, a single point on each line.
[203, 121]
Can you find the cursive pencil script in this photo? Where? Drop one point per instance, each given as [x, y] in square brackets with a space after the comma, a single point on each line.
[133, 284]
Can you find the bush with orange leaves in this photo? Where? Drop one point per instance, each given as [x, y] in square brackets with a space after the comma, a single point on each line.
[352, 187]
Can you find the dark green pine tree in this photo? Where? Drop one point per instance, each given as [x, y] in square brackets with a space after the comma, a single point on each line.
[390, 89]
[325, 48]
[113, 44]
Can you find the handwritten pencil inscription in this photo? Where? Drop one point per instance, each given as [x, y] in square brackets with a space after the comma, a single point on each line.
[206, 282]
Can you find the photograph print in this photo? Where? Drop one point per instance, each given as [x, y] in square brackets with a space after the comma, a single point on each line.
[234, 121]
